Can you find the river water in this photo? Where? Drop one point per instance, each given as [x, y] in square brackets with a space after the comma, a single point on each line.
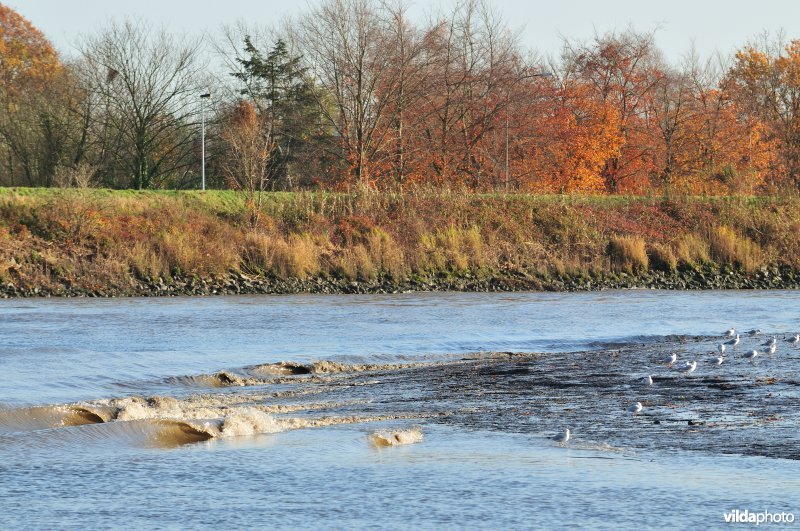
[400, 411]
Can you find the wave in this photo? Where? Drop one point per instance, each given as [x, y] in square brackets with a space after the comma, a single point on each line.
[284, 372]
[325, 367]
[395, 438]
[219, 379]
[134, 408]
[164, 421]
[242, 422]
[43, 417]
[169, 433]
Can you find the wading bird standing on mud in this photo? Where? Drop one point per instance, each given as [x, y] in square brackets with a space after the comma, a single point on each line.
[771, 349]
[562, 438]
[733, 342]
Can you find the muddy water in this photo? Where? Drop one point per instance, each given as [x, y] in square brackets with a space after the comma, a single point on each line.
[423, 410]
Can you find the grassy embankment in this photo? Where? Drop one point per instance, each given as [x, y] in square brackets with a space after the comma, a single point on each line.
[108, 242]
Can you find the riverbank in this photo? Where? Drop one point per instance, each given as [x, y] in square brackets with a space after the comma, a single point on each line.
[240, 284]
[121, 243]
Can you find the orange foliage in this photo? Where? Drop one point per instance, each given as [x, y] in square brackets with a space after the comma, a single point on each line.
[622, 71]
[578, 137]
[26, 56]
[449, 108]
[720, 153]
[243, 116]
[765, 83]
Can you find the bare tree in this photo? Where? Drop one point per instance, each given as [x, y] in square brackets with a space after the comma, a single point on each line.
[344, 45]
[668, 111]
[410, 65]
[476, 72]
[145, 85]
[249, 143]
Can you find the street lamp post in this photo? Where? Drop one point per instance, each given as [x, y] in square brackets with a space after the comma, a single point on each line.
[203, 97]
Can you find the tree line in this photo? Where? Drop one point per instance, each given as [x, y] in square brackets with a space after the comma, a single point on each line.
[356, 92]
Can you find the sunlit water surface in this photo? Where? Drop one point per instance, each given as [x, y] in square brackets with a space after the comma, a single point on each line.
[295, 450]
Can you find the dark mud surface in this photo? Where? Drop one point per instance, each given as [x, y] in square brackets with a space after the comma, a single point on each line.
[736, 408]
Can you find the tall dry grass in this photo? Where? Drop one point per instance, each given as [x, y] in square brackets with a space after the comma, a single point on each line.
[727, 247]
[76, 236]
[662, 257]
[628, 253]
[297, 256]
[691, 250]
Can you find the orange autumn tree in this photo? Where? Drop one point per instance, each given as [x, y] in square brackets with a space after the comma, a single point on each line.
[722, 153]
[575, 138]
[26, 56]
[764, 82]
[622, 70]
[249, 143]
[473, 73]
[514, 129]
[440, 116]
[40, 126]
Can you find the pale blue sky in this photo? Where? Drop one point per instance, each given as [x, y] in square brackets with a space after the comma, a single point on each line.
[710, 24]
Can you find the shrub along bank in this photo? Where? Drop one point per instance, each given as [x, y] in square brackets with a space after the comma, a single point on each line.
[113, 243]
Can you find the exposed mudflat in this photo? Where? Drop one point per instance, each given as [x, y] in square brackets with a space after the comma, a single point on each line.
[739, 407]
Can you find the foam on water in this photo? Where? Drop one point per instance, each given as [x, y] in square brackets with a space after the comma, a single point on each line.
[396, 438]
[249, 421]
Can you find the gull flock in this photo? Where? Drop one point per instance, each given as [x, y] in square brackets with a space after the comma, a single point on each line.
[731, 339]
